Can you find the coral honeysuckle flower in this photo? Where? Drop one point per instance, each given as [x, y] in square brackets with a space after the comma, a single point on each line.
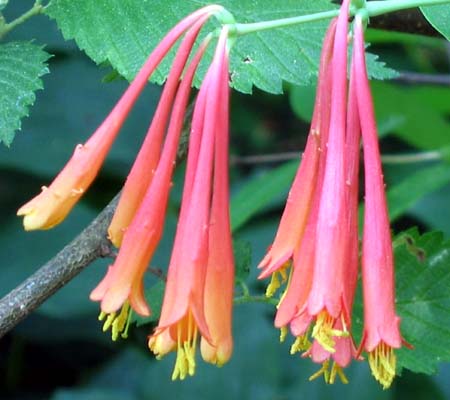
[218, 298]
[124, 279]
[185, 312]
[298, 205]
[319, 296]
[147, 159]
[381, 333]
[54, 203]
[326, 300]
[299, 283]
[344, 348]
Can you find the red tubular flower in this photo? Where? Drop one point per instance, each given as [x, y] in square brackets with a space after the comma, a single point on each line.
[323, 278]
[123, 280]
[296, 293]
[220, 270]
[381, 324]
[344, 349]
[54, 203]
[326, 300]
[147, 159]
[298, 205]
[185, 312]
[291, 232]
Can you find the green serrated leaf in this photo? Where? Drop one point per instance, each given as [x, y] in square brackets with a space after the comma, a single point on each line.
[377, 69]
[123, 32]
[21, 66]
[423, 301]
[242, 250]
[438, 16]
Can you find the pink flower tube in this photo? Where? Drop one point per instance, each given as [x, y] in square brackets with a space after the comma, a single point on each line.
[381, 324]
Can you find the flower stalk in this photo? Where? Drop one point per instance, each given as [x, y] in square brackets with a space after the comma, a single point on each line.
[372, 9]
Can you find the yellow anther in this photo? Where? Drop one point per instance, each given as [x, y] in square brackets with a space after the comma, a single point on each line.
[180, 369]
[337, 370]
[186, 348]
[324, 332]
[277, 279]
[109, 320]
[119, 323]
[274, 285]
[382, 362]
[324, 370]
[283, 333]
[189, 352]
[301, 344]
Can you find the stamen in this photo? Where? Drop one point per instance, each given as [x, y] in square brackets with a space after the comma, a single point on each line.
[337, 370]
[382, 362]
[277, 279]
[324, 332]
[119, 323]
[324, 370]
[283, 274]
[186, 348]
[283, 333]
[180, 369]
[301, 344]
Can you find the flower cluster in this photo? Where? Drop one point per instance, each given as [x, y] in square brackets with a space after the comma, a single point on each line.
[317, 242]
[199, 291]
[318, 233]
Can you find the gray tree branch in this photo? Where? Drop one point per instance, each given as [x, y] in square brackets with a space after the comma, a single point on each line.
[89, 245]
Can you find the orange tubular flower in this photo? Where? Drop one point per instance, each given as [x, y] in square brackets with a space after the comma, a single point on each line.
[296, 293]
[123, 281]
[305, 186]
[322, 283]
[326, 300]
[220, 271]
[381, 324]
[147, 159]
[185, 312]
[344, 349]
[54, 203]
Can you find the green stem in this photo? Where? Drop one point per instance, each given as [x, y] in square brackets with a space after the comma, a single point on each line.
[37, 9]
[244, 29]
[245, 290]
[373, 8]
